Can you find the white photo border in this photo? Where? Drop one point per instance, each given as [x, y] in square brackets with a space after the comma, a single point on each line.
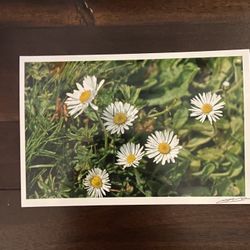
[244, 53]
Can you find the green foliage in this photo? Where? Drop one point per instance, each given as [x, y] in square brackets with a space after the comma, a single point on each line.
[180, 118]
[60, 149]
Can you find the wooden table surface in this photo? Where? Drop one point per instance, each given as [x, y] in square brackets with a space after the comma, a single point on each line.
[64, 27]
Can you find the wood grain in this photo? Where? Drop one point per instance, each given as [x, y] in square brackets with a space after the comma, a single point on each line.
[39, 13]
[9, 152]
[122, 227]
[47, 13]
[141, 12]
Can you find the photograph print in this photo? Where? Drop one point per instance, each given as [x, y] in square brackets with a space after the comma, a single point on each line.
[162, 128]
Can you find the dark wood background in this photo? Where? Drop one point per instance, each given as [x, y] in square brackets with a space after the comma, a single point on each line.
[111, 26]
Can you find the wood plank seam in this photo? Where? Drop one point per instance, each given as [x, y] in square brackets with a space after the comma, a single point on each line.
[85, 12]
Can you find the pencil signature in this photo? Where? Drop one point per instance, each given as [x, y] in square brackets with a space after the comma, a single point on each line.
[232, 200]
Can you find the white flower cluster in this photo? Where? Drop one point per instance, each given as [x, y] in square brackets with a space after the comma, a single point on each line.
[162, 146]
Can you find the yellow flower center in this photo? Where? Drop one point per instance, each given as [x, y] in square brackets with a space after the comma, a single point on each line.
[85, 95]
[206, 108]
[96, 182]
[164, 148]
[120, 118]
[130, 158]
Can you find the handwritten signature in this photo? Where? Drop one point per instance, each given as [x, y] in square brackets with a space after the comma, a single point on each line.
[232, 200]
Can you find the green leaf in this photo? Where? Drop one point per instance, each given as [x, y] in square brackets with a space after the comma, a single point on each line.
[148, 83]
[180, 118]
[136, 94]
[185, 153]
[162, 93]
[236, 171]
[163, 97]
[222, 68]
[236, 148]
[130, 93]
[236, 124]
[195, 165]
[210, 154]
[154, 185]
[163, 191]
[223, 124]
[224, 187]
[240, 183]
[48, 153]
[207, 170]
[138, 177]
[195, 191]
[42, 166]
[202, 128]
[197, 141]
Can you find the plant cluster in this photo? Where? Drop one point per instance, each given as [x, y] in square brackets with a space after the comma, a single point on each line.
[171, 127]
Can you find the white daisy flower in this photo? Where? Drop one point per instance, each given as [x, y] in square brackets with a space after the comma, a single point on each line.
[81, 98]
[207, 105]
[130, 155]
[163, 146]
[97, 182]
[119, 116]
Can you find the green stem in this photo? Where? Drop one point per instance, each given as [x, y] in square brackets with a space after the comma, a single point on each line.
[226, 103]
[103, 129]
[158, 113]
[215, 129]
[235, 86]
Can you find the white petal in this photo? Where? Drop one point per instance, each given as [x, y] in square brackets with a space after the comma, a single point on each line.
[93, 106]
